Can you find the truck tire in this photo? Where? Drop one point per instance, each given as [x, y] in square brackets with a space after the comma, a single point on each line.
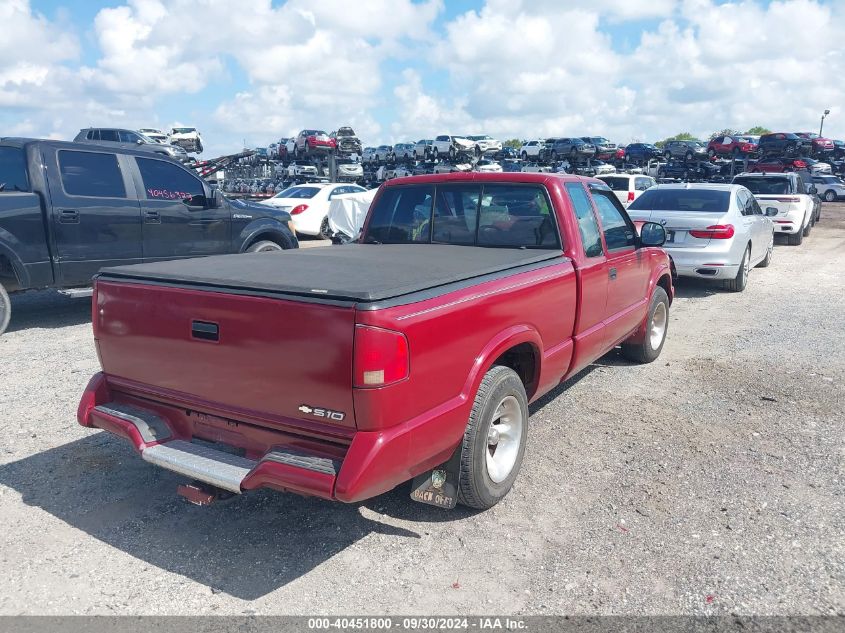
[5, 309]
[740, 282]
[264, 246]
[657, 326]
[494, 440]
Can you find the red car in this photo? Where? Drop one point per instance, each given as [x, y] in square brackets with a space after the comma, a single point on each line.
[821, 145]
[341, 372]
[731, 146]
[314, 142]
[778, 165]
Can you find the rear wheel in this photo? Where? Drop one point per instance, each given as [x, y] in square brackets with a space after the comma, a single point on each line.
[769, 251]
[809, 226]
[494, 440]
[795, 239]
[657, 325]
[264, 246]
[830, 196]
[5, 309]
[740, 282]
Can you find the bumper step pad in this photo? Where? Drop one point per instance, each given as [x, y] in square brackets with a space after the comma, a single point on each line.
[202, 463]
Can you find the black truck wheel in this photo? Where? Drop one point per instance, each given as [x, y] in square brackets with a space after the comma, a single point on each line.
[657, 325]
[5, 309]
[494, 440]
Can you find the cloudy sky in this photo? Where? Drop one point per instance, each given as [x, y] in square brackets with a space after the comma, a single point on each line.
[251, 71]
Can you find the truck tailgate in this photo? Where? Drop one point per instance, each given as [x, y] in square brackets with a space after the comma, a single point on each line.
[269, 357]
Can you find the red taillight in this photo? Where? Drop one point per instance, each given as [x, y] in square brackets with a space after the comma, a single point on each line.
[630, 196]
[788, 199]
[715, 232]
[298, 209]
[381, 357]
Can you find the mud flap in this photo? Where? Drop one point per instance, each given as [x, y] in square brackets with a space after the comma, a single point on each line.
[439, 486]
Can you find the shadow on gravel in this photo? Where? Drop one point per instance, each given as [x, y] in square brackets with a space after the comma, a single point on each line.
[48, 309]
[689, 288]
[247, 546]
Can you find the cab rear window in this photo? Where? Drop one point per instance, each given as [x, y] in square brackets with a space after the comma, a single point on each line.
[494, 215]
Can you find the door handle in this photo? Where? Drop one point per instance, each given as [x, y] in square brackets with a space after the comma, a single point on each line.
[69, 216]
[612, 274]
[152, 217]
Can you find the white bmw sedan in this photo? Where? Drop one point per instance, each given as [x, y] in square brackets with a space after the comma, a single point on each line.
[712, 231]
[308, 204]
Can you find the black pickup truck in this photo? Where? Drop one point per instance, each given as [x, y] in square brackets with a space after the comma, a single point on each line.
[68, 209]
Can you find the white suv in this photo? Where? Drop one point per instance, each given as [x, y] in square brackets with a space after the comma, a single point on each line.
[485, 144]
[787, 193]
[532, 149]
[628, 187]
[448, 145]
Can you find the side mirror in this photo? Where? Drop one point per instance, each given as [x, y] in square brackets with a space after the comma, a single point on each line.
[771, 212]
[652, 234]
[198, 201]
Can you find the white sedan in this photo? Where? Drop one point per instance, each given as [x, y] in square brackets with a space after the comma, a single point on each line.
[308, 204]
[716, 232]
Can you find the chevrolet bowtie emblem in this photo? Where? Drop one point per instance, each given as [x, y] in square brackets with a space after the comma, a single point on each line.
[306, 409]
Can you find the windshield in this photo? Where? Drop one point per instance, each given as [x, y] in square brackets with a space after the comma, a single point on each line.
[298, 192]
[703, 200]
[184, 130]
[617, 184]
[598, 140]
[763, 185]
[479, 137]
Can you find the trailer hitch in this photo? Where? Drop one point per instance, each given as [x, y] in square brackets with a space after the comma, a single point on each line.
[202, 494]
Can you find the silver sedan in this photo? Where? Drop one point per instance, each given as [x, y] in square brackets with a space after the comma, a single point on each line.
[712, 231]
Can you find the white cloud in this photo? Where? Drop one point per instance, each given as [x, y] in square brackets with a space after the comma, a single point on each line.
[389, 68]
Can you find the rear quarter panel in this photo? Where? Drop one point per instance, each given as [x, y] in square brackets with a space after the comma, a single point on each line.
[455, 337]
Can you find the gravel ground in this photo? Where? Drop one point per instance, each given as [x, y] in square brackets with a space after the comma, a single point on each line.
[708, 482]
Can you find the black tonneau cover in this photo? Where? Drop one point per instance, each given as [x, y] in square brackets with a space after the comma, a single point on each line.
[353, 272]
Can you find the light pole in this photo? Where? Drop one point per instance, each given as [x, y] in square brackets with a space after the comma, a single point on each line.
[821, 125]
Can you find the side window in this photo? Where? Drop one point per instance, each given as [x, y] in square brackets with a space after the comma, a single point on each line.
[93, 174]
[93, 135]
[756, 206]
[742, 203]
[128, 137]
[587, 224]
[13, 170]
[167, 181]
[455, 214]
[516, 216]
[109, 135]
[641, 184]
[618, 233]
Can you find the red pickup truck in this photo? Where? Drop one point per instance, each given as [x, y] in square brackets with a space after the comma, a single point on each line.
[413, 353]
